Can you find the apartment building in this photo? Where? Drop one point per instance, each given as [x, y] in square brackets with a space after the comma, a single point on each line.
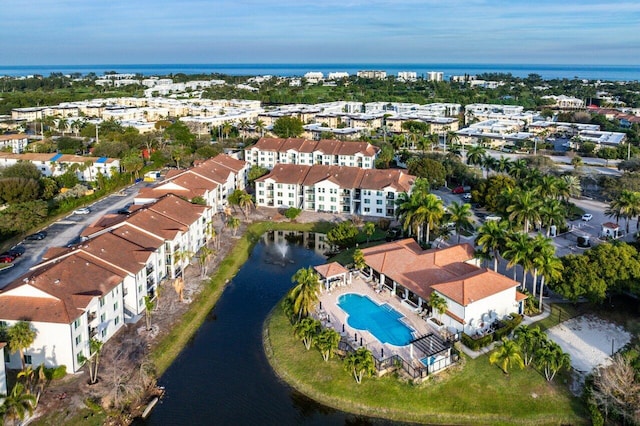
[16, 143]
[85, 168]
[373, 74]
[268, 152]
[213, 180]
[335, 189]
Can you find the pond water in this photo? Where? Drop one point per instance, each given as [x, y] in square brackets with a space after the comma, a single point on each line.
[223, 377]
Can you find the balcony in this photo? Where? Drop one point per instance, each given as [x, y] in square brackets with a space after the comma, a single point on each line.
[93, 332]
[91, 316]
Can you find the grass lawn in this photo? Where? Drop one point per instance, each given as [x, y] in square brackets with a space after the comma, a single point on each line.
[473, 393]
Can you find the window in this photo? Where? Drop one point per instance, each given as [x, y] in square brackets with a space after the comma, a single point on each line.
[27, 359]
[279, 194]
[103, 317]
[103, 333]
[379, 193]
[367, 201]
[140, 302]
[320, 197]
[291, 195]
[333, 199]
[279, 186]
[101, 302]
[78, 340]
[140, 288]
[76, 324]
[367, 209]
[378, 202]
[116, 321]
[378, 210]
[115, 306]
[260, 192]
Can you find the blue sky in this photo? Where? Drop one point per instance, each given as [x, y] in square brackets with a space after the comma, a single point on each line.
[321, 31]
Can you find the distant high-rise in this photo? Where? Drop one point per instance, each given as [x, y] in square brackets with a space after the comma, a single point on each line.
[435, 76]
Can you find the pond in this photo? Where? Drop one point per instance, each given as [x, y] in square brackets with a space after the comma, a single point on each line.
[223, 376]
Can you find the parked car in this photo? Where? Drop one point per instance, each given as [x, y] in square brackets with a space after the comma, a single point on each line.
[587, 217]
[124, 210]
[82, 210]
[7, 254]
[466, 196]
[37, 236]
[461, 189]
[16, 251]
[493, 218]
[5, 258]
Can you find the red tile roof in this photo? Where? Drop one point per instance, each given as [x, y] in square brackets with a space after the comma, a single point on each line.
[326, 146]
[445, 270]
[329, 270]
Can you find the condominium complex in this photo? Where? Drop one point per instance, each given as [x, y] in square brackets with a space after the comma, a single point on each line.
[335, 189]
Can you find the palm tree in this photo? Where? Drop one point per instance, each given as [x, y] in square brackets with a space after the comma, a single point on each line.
[475, 155]
[460, 215]
[21, 336]
[306, 330]
[360, 363]
[429, 212]
[507, 354]
[540, 247]
[243, 125]
[518, 252]
[305, 293]
[369, 229]
[503, 164]
[358, 259]
[438, 304]
[492, 236]
[203, 257]
[149, 304]
[95, 348]
[226, 129]
[529, 340]
[260, 126]
[18, 403]
[524, 208]
[245, 202]
[548, 187]
[552, 212]
[234, 224]
[518, 169]
[573, 187]
[551, 359]
[550, 268]
[63, 125]
[327, 343]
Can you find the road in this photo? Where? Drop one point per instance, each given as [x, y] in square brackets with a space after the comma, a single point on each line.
[66, 231]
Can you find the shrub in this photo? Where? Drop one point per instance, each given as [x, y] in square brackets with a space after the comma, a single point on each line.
[55, 373]
[292, 212]
[384, 224]
[476, 344]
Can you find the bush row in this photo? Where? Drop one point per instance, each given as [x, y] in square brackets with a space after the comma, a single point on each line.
[508, 326]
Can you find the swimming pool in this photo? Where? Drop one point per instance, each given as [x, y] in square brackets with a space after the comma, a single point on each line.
[380, 320]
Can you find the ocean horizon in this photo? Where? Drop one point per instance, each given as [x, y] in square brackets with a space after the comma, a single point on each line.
[546, 71]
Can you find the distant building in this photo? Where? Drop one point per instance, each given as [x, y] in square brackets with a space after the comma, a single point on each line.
[338, 75]
[563, 101]
[376, 75]
[435, 76]
[407, 76]
[314, 77]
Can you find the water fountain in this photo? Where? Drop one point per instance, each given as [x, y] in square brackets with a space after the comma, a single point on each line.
[278, 254]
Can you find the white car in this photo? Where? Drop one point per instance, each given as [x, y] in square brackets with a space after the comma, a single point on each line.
[587, 217]
[466, 196]
[83, 210]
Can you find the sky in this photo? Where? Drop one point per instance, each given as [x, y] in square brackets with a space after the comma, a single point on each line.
[46, 32]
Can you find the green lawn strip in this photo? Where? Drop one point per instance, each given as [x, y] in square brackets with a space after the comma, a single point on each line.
[82, 417]
[478, 393]
[560, 312]
[167, 349]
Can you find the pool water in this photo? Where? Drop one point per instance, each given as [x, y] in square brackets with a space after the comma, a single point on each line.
[380, 320]
[428, 360]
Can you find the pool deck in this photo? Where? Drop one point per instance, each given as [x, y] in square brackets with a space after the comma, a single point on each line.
[337, 316]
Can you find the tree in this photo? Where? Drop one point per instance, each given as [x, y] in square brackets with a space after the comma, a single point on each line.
[519, 251]
[21, 336]
[431, 170]
[234, 224]
[460, 215]
[22, 169]
[243, 125]
[18, 403]
[360, 363]
[438, 304]
[245, 202]
[306, 330]
[551, 359]
[327, 342]
[343, 234]
[529, 340]
[580, 279]
[506, 355]
[203, 258]
[178, 132]
[149, 304]
[492, 237]
[475, 155]
[292, 212]
[305, 293]
[95, 348]
[255, 172]
[524, 208]
[18, 190]
[550, 268]
[132, 163]
[260, 126]
[369, 229]
[288, 127]
[358, 259]
[616, 389]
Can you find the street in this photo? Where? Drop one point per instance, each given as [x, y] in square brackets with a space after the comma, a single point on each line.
[66, 231]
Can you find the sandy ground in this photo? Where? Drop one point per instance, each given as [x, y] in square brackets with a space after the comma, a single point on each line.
[589, 341]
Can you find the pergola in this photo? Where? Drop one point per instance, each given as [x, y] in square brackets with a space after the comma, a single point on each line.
[430, 345]
[332, 272]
